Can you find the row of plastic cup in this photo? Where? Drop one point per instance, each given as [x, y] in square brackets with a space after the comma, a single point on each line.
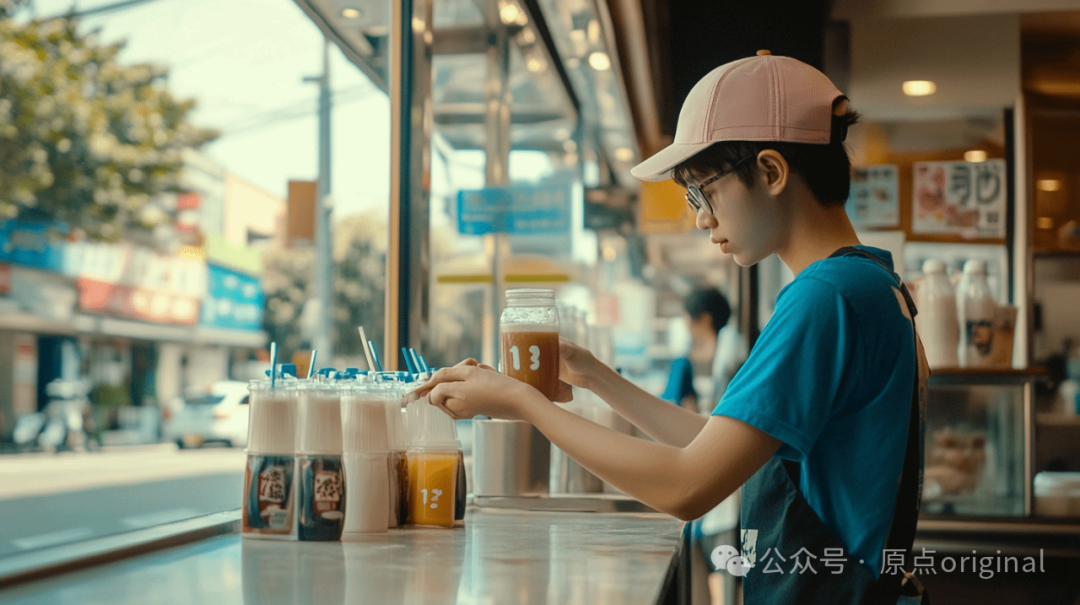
[329, 456]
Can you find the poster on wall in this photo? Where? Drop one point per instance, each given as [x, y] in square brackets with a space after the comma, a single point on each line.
[960, 198]
[874, 200]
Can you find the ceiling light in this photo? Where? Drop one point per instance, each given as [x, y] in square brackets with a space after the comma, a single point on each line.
[536, 65]
[562, 134]
[508, 12]
[573, 62]
[975, 155]
[624, 154]
[1045, 222]
[569, 146]
[350, 13]
[919, 88]
[600, 61]
[1049, 185]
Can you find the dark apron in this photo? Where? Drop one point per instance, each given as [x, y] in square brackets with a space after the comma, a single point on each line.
[825, 572]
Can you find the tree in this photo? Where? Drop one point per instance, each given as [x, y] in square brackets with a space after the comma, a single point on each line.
[85, 139]
[359, 287]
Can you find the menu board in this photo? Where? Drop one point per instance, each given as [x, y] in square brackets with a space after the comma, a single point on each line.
[960, 198]
[874, 200]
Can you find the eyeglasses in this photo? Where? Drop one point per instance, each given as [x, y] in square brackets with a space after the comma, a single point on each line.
[695, 195]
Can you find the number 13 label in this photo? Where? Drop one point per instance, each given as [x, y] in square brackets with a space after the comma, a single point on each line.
[534, 357]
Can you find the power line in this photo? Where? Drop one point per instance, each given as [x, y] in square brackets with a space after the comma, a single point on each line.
[297, 110]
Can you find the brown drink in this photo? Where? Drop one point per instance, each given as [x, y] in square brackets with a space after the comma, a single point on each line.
[530, 353]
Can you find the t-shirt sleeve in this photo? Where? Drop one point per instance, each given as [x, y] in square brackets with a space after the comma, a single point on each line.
[790, 383]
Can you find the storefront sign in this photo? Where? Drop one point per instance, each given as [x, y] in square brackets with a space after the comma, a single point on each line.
[136, 303]
[233, 301]
[518, 210]
[38, 245]
[961, 198]
[874, 200]
[141, 268]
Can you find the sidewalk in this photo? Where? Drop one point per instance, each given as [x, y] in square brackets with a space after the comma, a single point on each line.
[24, 475]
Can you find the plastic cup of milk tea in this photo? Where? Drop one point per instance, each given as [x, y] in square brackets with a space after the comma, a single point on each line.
[322, 496]
[269, 507]
[364, 447]
[433, 465]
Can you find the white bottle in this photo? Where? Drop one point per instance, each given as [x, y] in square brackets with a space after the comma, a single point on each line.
[936, 322]
[975, 308]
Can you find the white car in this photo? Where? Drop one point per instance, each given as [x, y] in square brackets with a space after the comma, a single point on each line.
[218, 415]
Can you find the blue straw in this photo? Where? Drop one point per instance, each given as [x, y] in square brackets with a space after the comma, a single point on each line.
[311, 366]
[408, 362]
[423, 363]
[416, 361]
[375, 356]
[273, 364]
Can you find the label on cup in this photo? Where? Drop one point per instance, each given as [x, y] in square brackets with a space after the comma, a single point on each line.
[322, 498]
[268, 495]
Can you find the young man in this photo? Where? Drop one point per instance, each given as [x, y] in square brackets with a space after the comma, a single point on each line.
[821, 420]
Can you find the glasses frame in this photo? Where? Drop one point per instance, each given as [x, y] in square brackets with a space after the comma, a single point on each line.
[695, 194]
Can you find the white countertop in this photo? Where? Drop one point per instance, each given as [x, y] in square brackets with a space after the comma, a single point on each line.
[500, 557]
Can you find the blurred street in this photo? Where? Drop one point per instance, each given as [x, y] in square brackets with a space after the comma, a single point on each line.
[48, 500]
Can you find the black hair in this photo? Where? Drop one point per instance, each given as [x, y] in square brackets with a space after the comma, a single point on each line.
[711, 301]
[825, 168]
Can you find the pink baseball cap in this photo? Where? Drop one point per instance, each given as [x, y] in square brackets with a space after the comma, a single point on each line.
[760, 98]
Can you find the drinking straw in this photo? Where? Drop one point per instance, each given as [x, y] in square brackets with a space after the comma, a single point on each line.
[423, 363]
[311, 366]
[375, 355]
[273, 364]
[416, 362]
[408, 362]
[364, 341]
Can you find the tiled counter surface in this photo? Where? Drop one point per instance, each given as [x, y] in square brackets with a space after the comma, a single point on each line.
[500, 557]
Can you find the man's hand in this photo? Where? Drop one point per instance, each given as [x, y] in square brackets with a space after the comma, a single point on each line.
[577, 365]
[471, 388]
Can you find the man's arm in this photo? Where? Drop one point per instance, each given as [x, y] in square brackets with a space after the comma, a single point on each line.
[667, 423]
[683, 481]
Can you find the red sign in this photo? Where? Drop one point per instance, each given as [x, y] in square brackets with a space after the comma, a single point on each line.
[188, 201]
[137, 303]
[5, 279]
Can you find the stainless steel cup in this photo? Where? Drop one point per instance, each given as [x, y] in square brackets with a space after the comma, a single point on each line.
[510, 458]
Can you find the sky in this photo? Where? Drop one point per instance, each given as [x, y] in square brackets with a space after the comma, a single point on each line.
[244, 62]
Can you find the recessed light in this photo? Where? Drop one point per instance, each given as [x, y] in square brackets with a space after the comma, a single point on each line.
[350, 13]
[919, 88]
[1049, 185]
[600, 61]
[624, 154]
[508, 12]
[975, 155]
[536, 65]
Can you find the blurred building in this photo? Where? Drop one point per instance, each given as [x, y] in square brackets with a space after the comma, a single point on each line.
[142, 325]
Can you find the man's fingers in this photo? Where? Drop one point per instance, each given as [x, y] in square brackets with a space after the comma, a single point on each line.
[454, 374]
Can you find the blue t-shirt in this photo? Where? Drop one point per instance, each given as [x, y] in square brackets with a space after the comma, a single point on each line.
[831, 377]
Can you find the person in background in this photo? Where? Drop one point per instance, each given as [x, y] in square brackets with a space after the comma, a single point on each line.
[707, 314]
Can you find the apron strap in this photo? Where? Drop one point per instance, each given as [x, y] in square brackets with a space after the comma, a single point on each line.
[908, 497]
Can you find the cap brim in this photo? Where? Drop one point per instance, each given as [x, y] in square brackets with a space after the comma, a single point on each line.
[658, 167]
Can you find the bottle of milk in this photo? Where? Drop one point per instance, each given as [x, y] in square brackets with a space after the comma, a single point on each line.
[938, 326]
[975, 308]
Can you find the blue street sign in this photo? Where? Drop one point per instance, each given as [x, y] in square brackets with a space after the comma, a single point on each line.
[520, 210]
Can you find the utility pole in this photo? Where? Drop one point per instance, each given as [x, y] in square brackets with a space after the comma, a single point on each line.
[324, 262]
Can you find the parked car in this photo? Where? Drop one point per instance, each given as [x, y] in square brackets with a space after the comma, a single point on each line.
[220, 414]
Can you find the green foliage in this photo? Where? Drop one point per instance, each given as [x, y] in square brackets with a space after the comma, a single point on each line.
[359, 287]
[83, 138]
